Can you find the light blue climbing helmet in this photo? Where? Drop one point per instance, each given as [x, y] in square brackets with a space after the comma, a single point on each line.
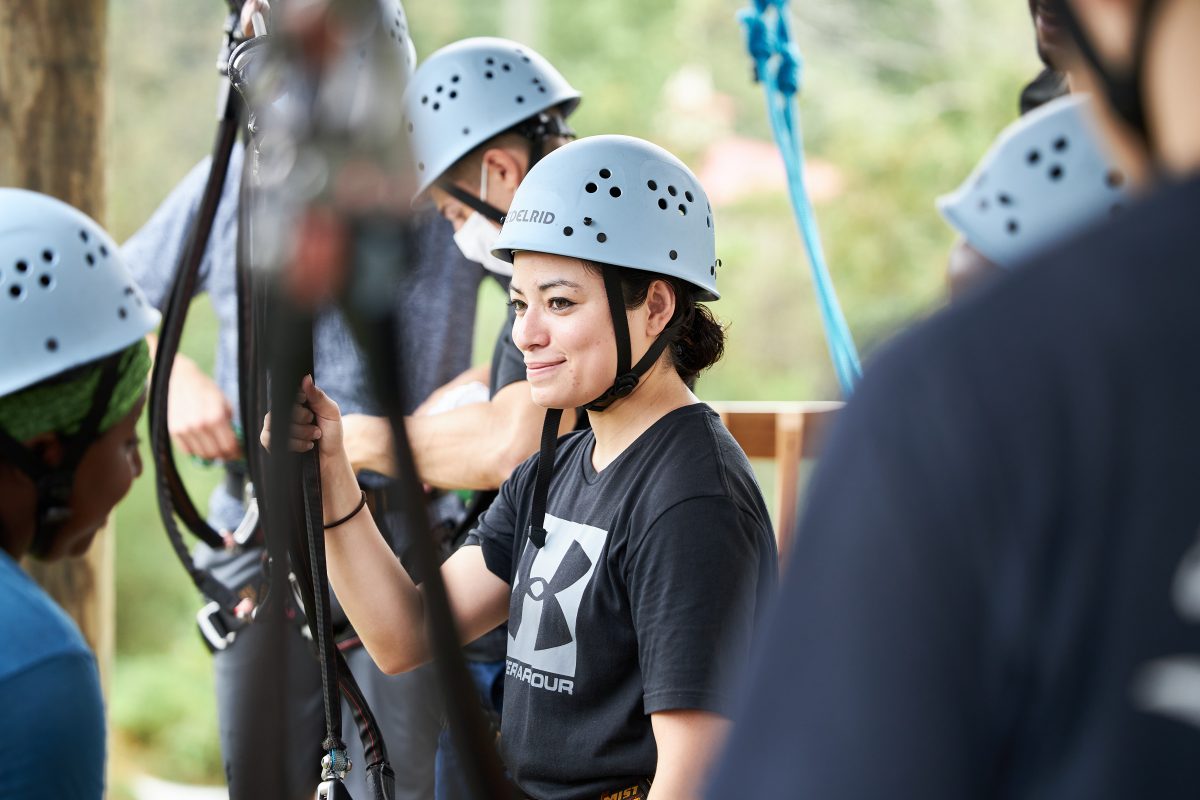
[1045, 178]
[474, 89]
[616, 200]
[66, 298]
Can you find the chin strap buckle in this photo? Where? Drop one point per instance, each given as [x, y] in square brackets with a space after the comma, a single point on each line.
[538, 536]
[624, 385]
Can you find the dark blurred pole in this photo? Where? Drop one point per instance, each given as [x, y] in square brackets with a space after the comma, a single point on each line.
[52, 68]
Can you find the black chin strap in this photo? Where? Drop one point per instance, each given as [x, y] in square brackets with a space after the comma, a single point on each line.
[467, 199]
[1123, 87]
[54, 484]
[537, 130]
[626, 381]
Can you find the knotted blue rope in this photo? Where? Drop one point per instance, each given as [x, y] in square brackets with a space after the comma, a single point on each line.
[778, 67]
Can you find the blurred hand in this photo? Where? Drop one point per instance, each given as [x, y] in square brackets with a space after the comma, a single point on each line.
[199, 417]
[251, 8]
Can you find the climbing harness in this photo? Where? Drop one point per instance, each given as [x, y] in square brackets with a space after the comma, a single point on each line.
[778, 66]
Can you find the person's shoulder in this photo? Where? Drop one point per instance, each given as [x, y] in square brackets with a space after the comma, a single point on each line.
[696, 456]
[33, 628]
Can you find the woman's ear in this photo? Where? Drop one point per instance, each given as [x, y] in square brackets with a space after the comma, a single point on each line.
[660, 305]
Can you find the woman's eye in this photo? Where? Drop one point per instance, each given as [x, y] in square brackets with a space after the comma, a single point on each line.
[560, 303]
[517, 305]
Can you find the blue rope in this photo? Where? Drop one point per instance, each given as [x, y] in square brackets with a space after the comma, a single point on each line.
[779, 68]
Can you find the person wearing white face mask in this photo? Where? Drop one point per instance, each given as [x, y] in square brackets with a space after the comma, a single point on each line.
[480, 113]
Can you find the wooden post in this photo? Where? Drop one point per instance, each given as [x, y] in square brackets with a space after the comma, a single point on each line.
[52, 65]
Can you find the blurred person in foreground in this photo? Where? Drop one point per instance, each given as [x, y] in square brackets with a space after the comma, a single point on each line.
[995, 588]
[72, 386]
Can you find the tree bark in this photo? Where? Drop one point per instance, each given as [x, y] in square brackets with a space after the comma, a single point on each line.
[52, 66]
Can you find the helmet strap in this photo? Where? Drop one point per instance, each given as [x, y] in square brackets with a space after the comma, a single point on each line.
[545, 470]
[471, 201]
[54, 485]
[627, 378]
[1123, 87]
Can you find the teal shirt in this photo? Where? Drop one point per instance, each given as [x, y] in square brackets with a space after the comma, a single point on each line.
[50, 701]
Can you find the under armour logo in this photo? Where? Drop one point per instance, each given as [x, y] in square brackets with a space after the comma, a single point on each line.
[553, 630]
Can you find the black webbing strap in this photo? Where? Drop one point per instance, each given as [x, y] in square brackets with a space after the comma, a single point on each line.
[467, 199]
[545, 470]
[1123, 87]
[627, 378]
[173, 498]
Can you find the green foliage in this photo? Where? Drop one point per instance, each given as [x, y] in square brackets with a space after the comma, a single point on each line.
[901, 97]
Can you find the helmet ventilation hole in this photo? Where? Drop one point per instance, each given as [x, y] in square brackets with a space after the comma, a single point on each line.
[122, 313]
[90, 259]
[48, 255]
[615, 191]
[506, 67]
[520, 99]
[590, 188]
[682, 210]
[1060, 144]
[674, 255]
[437, 106]
[46, 282]
[601, 238]
[1013, 227]
[567, 231]
[689, 197]
[440, 89]
[22, 266]
[15, 291]
[489, 74]
[52, 345]
[490, 61]
[652, 186]
[1034, 157]
[671, 191]
[662, 203]
[83, 235]
[605, 173]
[454, 78]
[1056, 172]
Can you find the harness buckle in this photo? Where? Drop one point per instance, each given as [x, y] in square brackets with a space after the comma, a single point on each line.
[217, 635]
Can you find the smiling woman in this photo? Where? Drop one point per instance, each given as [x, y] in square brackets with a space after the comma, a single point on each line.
[632, 560]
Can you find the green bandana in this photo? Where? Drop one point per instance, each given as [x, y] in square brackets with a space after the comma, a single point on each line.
[60, 406]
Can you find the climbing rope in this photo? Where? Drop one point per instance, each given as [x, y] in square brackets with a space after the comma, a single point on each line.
[778, 66]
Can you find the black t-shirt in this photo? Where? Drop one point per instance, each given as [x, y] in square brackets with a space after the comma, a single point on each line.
[644, 599]
[994, 588]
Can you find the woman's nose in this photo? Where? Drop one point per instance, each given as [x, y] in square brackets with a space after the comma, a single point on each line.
[529, 330]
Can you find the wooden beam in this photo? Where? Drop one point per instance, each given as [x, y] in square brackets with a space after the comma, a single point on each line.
[52, 66]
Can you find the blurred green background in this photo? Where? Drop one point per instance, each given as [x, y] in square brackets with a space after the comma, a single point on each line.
[900, 99]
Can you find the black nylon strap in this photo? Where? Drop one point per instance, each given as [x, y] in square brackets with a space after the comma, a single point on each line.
[467, 199]
[1123, 87]
[545, 470]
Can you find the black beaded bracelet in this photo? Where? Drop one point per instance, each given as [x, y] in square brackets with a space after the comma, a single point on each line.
[350, 516]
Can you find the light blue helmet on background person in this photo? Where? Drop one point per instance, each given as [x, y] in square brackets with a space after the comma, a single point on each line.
[471, 90]
[618, 201]
[73, 324]
[1046, 177]
[65, 296]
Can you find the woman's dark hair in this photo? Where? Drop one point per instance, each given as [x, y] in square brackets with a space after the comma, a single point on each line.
[701, 339]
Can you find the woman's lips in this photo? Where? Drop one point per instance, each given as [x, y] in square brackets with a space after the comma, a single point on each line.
[538, 369]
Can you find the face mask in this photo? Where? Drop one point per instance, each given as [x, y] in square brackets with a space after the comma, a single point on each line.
[478, 236]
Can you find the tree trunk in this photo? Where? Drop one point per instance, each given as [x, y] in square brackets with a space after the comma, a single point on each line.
[52, 65]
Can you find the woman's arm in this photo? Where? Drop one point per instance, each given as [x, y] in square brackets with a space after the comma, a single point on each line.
[688, 742]
[380, 599]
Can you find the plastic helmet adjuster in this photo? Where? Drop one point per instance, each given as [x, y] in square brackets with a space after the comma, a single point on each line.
[624, 385]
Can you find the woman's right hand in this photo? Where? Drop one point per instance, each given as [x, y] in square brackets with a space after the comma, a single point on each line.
[316, 422]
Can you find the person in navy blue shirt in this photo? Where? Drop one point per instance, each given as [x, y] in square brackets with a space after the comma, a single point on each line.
[993, 591]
